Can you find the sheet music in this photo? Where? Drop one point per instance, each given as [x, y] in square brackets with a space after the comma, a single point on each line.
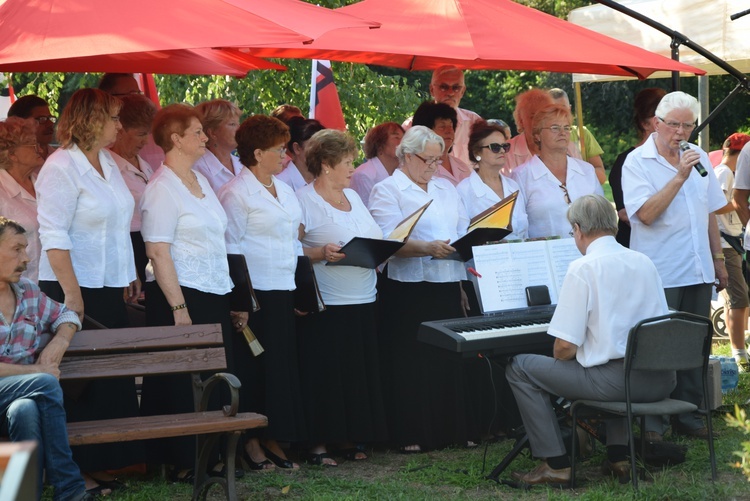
[506, 270]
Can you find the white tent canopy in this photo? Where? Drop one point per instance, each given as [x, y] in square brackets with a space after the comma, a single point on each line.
[705, 22]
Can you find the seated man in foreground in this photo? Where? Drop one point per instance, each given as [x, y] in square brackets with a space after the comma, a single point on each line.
[31, 401]
[604, 294]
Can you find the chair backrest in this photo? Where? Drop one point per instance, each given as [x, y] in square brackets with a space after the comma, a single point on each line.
[677, 341]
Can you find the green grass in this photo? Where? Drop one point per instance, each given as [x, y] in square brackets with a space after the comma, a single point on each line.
[459, 474]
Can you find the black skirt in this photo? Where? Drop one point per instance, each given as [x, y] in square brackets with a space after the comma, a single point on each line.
[340, 369]
[173, 394]
[426, 389]
[101, 399]
[271, 381]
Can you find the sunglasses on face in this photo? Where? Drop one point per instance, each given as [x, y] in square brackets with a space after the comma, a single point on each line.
[496, 147]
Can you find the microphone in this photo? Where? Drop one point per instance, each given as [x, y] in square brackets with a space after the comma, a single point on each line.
[684, 146]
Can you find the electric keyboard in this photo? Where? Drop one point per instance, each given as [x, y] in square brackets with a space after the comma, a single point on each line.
[504, 333]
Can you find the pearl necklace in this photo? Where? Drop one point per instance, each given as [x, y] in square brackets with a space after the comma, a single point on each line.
[269, 185]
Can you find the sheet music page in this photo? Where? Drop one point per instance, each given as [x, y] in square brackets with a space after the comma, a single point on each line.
[506, 270]
[562, 252]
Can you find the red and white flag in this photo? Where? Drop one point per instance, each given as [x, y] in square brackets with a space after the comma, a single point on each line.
[324, 98]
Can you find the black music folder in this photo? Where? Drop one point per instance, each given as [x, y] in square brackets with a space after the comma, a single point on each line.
[372, 252]
[242, 294]
[491, 225]
[307, 296]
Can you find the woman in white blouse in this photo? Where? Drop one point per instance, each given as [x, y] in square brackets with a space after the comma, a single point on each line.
[380, 150]
[263, 224]
[84, 211]
[423, 385]
[20, 157]
[339, 360]
[136, 116]
[551, 179]
[486, 186]
[220, 120]
[296, 173]
[183, 227]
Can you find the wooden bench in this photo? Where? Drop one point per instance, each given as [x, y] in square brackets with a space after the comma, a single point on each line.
[148, 351]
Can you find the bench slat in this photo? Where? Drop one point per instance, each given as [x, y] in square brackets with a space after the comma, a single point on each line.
[147, 427]
[143, 364]
[171, 336]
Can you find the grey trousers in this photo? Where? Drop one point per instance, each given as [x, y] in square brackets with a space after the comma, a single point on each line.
[692, 299]
[533, 378]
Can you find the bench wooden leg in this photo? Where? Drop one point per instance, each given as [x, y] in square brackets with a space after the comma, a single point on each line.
[205, 444]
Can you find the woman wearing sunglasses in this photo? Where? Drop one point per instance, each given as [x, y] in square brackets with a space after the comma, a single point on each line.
[551, 180]
[486, 185]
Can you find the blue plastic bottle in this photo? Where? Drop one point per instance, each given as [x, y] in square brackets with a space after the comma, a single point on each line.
[729, 374]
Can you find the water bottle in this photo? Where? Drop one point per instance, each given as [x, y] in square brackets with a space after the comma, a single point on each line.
[729, 374]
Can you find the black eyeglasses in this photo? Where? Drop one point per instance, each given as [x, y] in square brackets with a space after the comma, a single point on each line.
[496, 147]
[446, 87]
[44, 119]
[433, 161]
[565, 193]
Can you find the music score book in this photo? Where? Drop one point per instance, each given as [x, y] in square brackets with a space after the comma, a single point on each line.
[490, 225]
[372, 252]
[506, 270]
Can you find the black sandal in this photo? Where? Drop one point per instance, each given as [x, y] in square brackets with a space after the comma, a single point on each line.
[280, 462]
[262, 466]
[351, 453]
[319, 460]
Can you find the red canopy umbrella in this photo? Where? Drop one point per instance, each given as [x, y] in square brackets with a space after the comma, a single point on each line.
[38, 30]
[182, 62]
[475, 34]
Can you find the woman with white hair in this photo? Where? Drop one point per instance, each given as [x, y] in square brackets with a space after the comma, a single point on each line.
[423, 386]
[670, 206]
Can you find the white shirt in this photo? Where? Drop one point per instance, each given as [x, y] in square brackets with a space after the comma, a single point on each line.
[677, 241]
[395, 198]
[291, 176]
[366, 176]
[339, 285]
[19, 205]
[591, 315]
[264, 229]
[194, 228]
[742, 180]
[729, 222]
[478, 197]
[546, 206]
[88, 215]
[214, 170]
[459, 171]
[136, 181]
[464, 120]
[519, 153]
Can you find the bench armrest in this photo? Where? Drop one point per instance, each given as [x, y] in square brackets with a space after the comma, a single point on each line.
[202, 391]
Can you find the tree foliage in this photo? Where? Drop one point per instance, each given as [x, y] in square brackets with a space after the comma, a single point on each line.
[371, 94]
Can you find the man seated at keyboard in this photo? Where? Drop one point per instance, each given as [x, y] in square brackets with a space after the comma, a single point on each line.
[604, 294]
[31, 401]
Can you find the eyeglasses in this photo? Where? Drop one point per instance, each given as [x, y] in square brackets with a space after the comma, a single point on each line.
[687, 127]
[565, 193]
[115, 118]
[434, 161]
[36, 147]
[44, 119]
[496, 147]
[446, 87]
[281, 151]
[132, 92]
[559, 128]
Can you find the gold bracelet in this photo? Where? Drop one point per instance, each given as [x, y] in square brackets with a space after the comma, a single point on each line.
[718, 256]
[178, 307]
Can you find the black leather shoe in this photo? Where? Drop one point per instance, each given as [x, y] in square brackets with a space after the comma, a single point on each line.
[545, 475]
[619, 469]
